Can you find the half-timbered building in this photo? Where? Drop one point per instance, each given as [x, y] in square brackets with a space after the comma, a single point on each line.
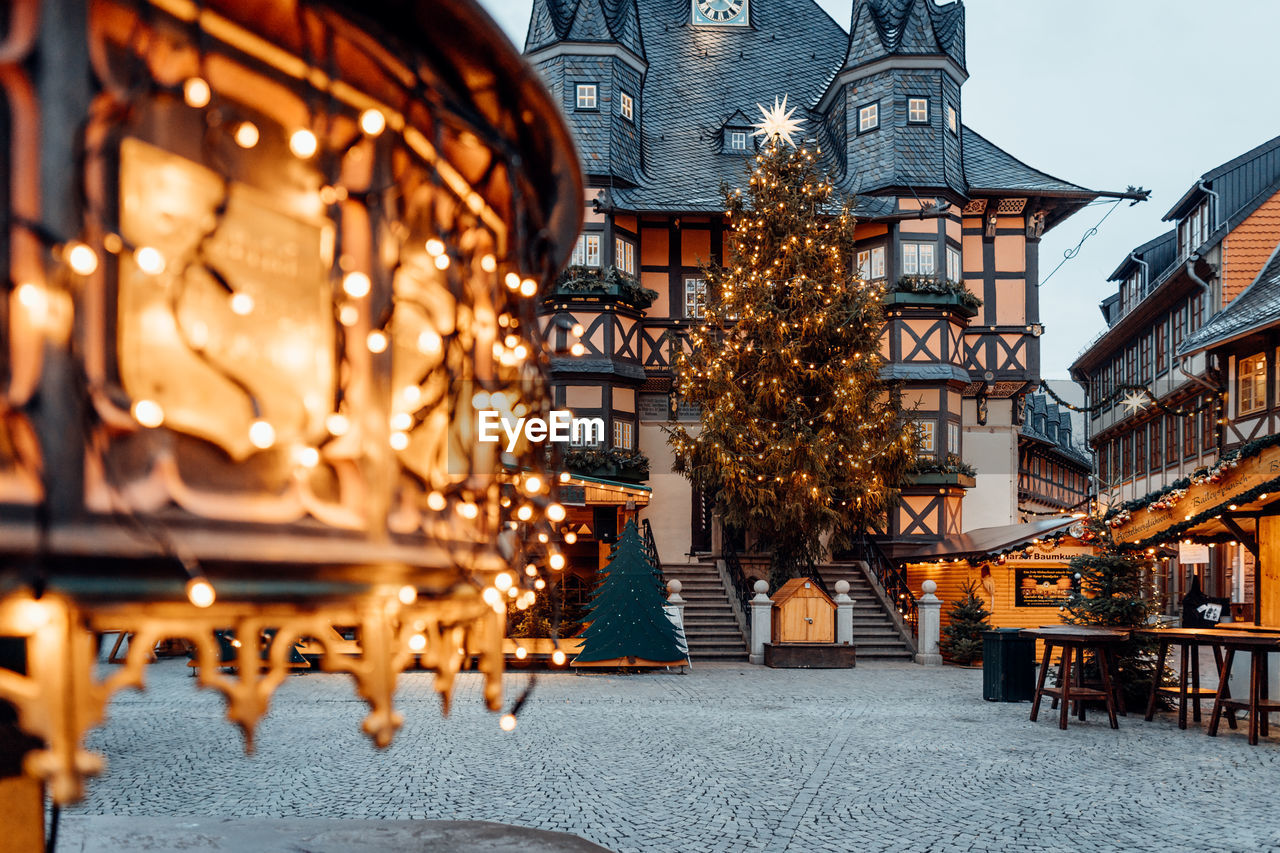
[1172, 292]
[662, 96]
[1053, 471]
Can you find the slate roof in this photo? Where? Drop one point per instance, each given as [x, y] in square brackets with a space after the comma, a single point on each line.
[585, 21]
[1038, 406]
[988, 167]
[1158, 252]
[880, 28]
[1237, 181]
[1256, 308]
[700, 77]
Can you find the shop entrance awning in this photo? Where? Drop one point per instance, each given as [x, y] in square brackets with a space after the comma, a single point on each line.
[579, 490]
[989, 540]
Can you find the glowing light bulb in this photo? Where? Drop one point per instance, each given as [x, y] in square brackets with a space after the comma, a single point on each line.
[303, 144]
[488, 263]
[149, 260]
[411, 394]
[262, 434]
[196, 92]
[436, 501]
[242, 304]
[337, 424]
[401, 421]
[200, 592]
[429, 342]
[556, 561]
[417, 643]
[513, 592]
[521, 654]
[399, 440]
[348, 315]
[564, 476]
[148, 413]
[376, 341]
[246, 134]
[467, 509]
[555, 512]
[435, 247]
[82, 259]
[507, 723]
[442, 262]
[356, 284]
[533, 485]
[539, 584]
[577, 330]
[491, 596]
[531, 570]
[307, 457]
[570, 537]
[528, 287]
[557, 657]
[512, 281]
[503, 582]
[373, 122]
[577, 348]
[524, 513]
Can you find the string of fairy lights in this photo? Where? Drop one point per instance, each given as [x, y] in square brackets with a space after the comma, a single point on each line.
[464, 253]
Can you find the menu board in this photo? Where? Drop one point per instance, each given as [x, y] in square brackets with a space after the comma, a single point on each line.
[1042, 586]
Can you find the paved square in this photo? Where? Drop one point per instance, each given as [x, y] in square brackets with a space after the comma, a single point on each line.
[725, 758]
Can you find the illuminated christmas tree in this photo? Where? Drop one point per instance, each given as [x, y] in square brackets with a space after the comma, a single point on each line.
[801, 441]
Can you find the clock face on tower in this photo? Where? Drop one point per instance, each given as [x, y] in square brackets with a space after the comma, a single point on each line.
[720, 12]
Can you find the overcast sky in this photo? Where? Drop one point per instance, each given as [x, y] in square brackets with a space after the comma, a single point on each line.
[1103, 93]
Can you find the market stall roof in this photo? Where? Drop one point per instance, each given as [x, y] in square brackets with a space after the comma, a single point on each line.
[988, 540]
[579, 490]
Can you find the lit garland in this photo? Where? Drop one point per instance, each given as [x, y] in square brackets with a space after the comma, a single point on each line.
[450, 257]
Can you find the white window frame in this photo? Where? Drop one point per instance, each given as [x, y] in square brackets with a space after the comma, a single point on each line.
[917, 110]
[919, 258]
[578, 438]
[1251, 385]
[953, 121]
[624, 255]
[695, 297]
[738, 140]
[953, 437]
[624, 434]
[877, 263]
[864, 264]
[868, 117]
[586, 252]
[626, 106]
[587, 96]
[927, 429]
[954, 271]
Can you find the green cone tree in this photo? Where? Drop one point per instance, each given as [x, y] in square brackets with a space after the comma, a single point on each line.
[969, 620]
[1110, 593]
[626, 617]
[800, 441]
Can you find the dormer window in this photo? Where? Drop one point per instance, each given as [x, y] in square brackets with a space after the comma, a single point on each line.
[588, 96]
[917, 110]
[626, 106]
[1194, 228]
[737, 140]
[868, 117]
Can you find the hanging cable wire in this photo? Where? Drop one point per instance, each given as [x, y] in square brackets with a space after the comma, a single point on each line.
[1075, 250]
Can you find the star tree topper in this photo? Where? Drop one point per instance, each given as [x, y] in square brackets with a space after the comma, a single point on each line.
[778, 122]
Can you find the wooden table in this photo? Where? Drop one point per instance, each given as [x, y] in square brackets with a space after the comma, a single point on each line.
[1075, 640]
[1189, 641]
[1258, 645]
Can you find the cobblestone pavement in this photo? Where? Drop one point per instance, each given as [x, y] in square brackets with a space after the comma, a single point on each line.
[724, 758]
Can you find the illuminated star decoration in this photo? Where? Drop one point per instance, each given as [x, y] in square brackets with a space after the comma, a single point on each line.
[1134, 401]
[778, 122]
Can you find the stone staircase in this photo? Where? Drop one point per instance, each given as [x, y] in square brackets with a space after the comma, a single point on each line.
[875, 634]
[709, 621]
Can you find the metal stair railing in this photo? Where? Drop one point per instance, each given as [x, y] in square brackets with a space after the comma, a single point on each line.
[892, 579]
[651, 552]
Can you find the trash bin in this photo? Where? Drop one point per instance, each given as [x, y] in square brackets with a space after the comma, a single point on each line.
[1008, 666]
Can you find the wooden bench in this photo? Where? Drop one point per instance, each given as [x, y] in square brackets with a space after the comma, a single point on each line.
[1189, 641]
